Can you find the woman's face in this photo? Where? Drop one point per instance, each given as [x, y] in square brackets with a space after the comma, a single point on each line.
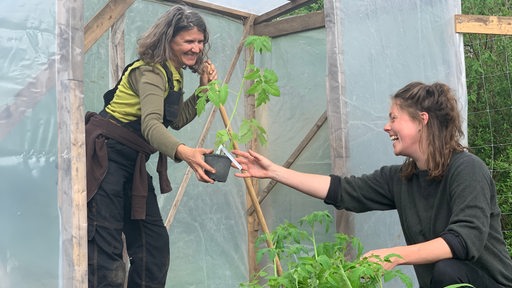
[186, 47]
[405, 134]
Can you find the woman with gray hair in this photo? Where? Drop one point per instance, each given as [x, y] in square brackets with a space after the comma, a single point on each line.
[147, 99]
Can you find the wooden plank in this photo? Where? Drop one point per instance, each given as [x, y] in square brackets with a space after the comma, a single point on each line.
[71, 186]
[282, 10]
[291, 25]
[480, 24]
[218, 9]
[102, 21]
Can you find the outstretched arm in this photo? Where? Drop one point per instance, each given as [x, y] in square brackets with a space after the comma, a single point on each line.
[421, 253]
[256, 165]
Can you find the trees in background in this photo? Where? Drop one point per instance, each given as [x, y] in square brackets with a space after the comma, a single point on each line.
[489, 86]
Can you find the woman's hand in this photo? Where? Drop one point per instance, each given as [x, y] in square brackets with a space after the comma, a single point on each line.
[421, 253]
[253, 164]
[195, 159]
[208, 73]
[392, 262]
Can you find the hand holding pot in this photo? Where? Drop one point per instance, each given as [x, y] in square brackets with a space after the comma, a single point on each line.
[195, 159]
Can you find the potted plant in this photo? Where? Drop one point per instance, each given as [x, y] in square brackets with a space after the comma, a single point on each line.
[263, 85]
[324, 265]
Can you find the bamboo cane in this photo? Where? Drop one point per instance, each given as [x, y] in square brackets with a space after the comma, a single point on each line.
[252, 195]
[248, 184]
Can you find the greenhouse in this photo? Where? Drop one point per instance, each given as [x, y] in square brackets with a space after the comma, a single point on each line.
[337, 69]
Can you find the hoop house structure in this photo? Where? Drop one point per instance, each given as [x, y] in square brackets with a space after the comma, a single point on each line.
[337, 70]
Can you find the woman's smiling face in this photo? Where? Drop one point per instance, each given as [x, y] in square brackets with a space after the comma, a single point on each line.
[186, 47]
[405, 133]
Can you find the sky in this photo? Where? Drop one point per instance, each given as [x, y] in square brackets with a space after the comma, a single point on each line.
[257, 7]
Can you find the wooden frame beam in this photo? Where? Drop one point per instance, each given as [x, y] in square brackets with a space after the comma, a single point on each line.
[291, 25]
[282, 10]
[102, 21]
[225, 11]
[479, 24]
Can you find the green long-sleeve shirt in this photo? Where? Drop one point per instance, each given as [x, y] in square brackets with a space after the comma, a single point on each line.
[463, 202]
[141, 95]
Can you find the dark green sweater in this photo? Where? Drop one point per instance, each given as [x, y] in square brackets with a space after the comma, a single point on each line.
[462, 203]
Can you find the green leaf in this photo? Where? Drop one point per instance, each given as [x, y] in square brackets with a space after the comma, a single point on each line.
[250, 128]
[255, 88]
[200, 105]
[221, 137]
[217, 95]
[270, 76]
[324, 261]
[397, 273]
[223, 94]
[273, 89]
[262, 96]
[259, 43]
[252, 73]
[388, 257]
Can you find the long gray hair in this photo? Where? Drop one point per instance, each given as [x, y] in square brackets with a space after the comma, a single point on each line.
[154, 45]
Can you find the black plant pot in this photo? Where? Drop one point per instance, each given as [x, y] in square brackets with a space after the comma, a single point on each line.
[221, 164]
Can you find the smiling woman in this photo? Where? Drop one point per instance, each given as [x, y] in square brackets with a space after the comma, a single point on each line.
[186, 46]
[444, 195]
[406, 134]
[133, 124]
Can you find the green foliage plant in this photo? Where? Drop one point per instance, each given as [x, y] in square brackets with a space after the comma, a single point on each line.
[264, 85]
[312, 264]
[487, 61]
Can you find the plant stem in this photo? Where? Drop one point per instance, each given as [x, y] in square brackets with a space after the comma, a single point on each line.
[345, 282]
[236, 104]
[314, 240]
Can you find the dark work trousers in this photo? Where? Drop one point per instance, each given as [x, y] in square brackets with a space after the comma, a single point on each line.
[453, 271]
[109, 215]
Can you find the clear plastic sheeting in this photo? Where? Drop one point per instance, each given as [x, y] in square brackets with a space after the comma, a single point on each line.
[257, 7]
[382, 46]
[299, 61]
[29, 220]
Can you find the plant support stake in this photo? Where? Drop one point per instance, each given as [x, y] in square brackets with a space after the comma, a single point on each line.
[253, 196]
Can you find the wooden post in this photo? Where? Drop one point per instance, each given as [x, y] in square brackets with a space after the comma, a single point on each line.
[71, 150]
[337, 112]
[253, 225]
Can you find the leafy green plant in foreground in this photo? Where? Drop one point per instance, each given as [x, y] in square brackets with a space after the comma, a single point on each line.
[263, 85]
[324, 265]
